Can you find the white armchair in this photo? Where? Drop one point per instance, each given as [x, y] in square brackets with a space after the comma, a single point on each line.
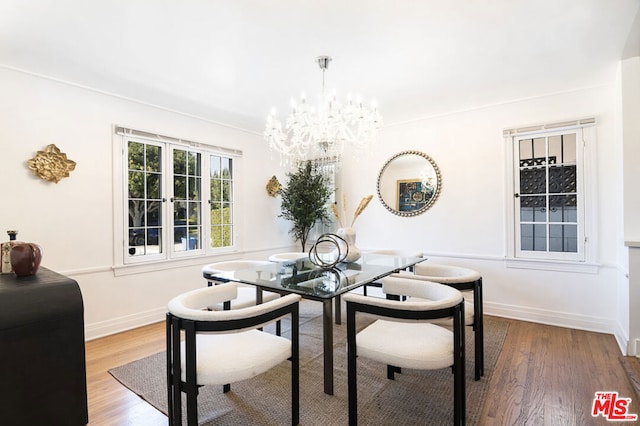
[248, 295]
[469, 282]
[392, 252]
[223, 347]
[407, 339]
[288, 257]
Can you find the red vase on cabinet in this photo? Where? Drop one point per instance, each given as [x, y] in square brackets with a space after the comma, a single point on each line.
[26, 258]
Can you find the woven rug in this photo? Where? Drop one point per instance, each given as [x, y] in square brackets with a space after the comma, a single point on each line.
[413, 398]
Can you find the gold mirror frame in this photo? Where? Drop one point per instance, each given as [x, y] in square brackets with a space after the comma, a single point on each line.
[409, 183]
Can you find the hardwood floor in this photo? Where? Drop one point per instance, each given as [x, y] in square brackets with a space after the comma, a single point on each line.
[548, 375]
[545, 375]
[110, 403]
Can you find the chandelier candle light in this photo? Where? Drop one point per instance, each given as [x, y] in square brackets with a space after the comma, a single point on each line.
[313, 133]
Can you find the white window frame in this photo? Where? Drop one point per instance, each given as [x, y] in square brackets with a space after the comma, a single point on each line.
[584, 260]
[171, 253]
[122, 260]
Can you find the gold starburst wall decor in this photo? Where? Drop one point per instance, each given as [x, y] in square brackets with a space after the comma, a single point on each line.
[273, 186]
[51, 164]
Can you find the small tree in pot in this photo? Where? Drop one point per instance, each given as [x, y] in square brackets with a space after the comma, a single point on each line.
[304, 200]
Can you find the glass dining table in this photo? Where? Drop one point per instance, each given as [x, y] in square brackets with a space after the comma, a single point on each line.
[311, 282]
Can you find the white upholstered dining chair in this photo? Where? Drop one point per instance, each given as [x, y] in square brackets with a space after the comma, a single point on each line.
[469, 282]
[248, 295]
[391, 252]
[223, 347]
[288, 256]
[403, 337]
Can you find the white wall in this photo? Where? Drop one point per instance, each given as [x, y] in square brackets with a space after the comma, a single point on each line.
[631, 133]
[73, 220]
[466, 225]
[630, 100]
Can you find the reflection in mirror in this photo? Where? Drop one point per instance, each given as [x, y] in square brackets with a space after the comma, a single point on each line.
[409, 183]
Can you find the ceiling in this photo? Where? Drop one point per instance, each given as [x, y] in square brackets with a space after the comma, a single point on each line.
[231, 61]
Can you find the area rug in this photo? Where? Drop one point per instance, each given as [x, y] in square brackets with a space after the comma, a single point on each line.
[413, 398]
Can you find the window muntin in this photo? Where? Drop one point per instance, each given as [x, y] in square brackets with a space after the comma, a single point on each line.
[221, 201]
[187, 200]
[165, 198]
[144, 199]
[549, 197]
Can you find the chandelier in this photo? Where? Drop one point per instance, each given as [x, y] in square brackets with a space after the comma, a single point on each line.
[320, 133]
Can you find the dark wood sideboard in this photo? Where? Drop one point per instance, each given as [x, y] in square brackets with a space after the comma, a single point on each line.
[42, 352]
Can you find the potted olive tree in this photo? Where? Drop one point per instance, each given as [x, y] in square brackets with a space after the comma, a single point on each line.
[304, 200]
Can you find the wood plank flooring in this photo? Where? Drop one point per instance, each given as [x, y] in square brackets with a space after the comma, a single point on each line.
[548, 375]
[545, 375]
[110, 403]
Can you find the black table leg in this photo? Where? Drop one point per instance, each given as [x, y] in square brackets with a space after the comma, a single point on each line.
[327, 338]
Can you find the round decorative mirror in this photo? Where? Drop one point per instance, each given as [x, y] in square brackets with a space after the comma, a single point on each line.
[409, 183]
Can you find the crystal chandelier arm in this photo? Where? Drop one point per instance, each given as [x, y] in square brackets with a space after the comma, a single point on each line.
[322, 132]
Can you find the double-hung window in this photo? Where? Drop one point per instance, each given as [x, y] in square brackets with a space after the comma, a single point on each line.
[549, 199]
[178, 198]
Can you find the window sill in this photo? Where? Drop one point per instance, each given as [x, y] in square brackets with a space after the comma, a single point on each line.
[553, 265]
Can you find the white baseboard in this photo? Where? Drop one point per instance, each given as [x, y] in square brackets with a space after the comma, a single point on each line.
[622, 339]
[117, 325]
[560, 319]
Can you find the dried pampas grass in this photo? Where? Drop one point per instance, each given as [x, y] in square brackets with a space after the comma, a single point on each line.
[363, 205]
[336, 211]
[344, 204]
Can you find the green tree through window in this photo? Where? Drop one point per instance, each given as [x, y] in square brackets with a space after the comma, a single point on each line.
[221, 201]
[166, 194]
[144, 198]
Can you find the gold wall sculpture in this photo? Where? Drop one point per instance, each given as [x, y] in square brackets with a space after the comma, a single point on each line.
[51, 164]
[273, 186]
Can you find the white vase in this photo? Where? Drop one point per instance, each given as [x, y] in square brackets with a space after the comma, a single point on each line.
[349, 235]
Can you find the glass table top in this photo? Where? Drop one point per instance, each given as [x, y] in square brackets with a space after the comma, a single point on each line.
[304, 278]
